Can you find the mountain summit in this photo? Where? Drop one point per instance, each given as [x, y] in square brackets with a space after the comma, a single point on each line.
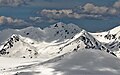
[56, 40]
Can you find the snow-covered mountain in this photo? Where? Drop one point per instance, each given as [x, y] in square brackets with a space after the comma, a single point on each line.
[16, 47]
[108, 36]
[49, 42]
[80, 52]
[34, 41]
[58, 31]
[111, 39]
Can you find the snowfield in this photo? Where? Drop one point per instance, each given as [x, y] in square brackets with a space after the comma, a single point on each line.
[61, 49]
[82, 62]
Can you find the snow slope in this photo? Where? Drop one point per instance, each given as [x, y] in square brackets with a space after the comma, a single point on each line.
[23, 47]
[108, 36]
[49, 42]
[111, 39]
[82, 62]
[61, 49]
[58, 32]
[88, 62]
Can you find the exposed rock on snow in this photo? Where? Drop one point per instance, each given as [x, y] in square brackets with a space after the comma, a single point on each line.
[59, 50]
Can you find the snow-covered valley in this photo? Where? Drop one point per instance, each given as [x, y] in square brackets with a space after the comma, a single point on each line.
[61, 49]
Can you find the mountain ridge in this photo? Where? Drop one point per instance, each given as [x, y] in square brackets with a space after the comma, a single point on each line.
[73, 38]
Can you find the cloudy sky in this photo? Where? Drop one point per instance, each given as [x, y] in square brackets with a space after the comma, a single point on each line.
[92, 15]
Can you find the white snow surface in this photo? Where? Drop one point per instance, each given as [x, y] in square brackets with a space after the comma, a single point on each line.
[82, 62]
[61, 49]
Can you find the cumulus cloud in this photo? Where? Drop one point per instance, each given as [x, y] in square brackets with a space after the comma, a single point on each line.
[41, 19]
[56, 13]
[69, 13]
[13, 2]
[11, 21]
[117, 4]
[36, 19]
[93, 9]
[88, 10]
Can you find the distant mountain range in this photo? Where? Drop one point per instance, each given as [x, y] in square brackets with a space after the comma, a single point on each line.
[58, 39]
